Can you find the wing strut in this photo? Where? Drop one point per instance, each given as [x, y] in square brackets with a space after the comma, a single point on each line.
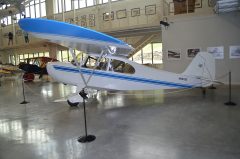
[78, 66]
[104, 52]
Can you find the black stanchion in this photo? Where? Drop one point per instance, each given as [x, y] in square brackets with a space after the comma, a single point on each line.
[230, 103]
[86, 138]
[24, 100]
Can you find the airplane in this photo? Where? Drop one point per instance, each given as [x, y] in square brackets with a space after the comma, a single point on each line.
[4, 72]
[8, 69]
[106, 66]
[35, 65]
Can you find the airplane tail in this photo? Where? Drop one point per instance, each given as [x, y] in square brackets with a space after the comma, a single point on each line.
[202, 66]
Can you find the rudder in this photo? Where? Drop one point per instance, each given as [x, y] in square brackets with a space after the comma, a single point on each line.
[202, 66]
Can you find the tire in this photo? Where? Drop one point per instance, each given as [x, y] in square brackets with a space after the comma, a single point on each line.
[29, 77]
[72, 104]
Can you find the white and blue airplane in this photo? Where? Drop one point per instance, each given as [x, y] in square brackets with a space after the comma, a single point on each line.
[110, 69]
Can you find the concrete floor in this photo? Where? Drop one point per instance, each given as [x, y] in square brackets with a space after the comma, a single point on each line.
[181, 125]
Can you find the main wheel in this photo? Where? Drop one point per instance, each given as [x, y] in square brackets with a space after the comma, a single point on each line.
[72, 104]
[29, 77]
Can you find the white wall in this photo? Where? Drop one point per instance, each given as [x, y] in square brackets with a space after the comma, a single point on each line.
[203, 32]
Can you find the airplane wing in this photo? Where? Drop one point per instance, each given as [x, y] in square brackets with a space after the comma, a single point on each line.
[73, 36]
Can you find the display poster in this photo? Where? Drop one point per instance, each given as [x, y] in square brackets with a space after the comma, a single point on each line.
[218, 52]
[174, 54]
[192, 52]
[234, 52]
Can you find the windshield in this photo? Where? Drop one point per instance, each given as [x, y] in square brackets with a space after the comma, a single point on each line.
[107, 64]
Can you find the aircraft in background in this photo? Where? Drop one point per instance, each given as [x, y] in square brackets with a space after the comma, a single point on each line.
[35, 65]
[106, 66]
[8, 69]
[4, 72]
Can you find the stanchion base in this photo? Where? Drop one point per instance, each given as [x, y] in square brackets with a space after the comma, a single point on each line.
[84, 139]
[24, 102]
[230, 103]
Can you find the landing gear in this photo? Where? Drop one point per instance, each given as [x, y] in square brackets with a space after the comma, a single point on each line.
[72, 104]
[74, 100]
[212, 87]
[29, 77]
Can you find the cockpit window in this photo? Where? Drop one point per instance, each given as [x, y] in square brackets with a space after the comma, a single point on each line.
[90, 62]
[106, 64]
[122, 67]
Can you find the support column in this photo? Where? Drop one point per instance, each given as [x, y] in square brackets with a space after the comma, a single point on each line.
[63, 10]
[50, 9]
[110, 12]
[53, 51]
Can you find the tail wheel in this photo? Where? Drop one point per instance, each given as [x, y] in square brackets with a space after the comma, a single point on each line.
[29, 77]
[72, 104]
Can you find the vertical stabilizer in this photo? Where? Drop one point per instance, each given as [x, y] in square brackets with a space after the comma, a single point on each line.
[202, 66]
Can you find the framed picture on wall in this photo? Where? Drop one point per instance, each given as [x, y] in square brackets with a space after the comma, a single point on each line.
[91, 20]
[70, 20]
[135, 12]
[150, 9]
[218, 52]
[198, 3]
[171, 7]
[77, 20]
[234, 52]
[5, 35]
[83, 20]
[174, 54]
[120, 14]
[192, 52]
[106, 16]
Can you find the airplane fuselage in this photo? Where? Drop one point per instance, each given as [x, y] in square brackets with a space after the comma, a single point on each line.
[142, 78]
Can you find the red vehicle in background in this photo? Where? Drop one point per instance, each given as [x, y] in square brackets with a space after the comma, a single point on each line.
[35, 65]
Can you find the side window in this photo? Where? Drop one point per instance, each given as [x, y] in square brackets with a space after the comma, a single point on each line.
[103, 64]
[91, 63]
[122, 67]
[80, 57]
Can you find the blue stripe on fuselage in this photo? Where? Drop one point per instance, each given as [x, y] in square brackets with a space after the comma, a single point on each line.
[122, 77]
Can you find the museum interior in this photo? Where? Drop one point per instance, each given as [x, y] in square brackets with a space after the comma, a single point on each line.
[119, 79]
